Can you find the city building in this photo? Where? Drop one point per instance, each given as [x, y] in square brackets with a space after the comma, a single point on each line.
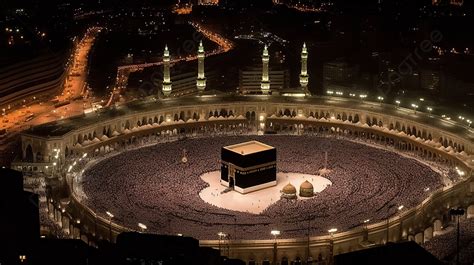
[339, 73]
[31, 80]
[250, 80]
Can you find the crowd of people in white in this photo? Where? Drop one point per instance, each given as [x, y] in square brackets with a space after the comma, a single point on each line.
[150, 184]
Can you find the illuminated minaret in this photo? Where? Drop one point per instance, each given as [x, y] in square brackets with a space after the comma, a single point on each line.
[201, 78]
[265, 84]
[304, 68]
[166, 73]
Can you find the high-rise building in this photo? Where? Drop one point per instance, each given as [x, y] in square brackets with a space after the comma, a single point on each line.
[250, 80]
[339, 73]
[201, 78]
[265, 84]
[166, 88]
[429, 78]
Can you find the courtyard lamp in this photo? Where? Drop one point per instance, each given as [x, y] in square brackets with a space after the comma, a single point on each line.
[275, 233]
[110, 215]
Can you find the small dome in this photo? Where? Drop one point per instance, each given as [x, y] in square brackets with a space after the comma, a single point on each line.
[289, 189]
[306, 185]
[306, 189]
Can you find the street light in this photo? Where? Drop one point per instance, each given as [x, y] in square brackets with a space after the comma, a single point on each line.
[331, 233]
[221, 235]
[398, 103]
[379, 98]
[275, 233]
[457, 212]
[110, 225]
[429, 109]
[142, 227]
[414, 106]
[400, 208]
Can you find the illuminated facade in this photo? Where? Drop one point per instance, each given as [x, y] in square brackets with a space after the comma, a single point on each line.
[304, 68]
[201, 78]
[265, 84]
[166, 89]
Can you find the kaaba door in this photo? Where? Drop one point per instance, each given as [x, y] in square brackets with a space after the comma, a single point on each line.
[231, 179]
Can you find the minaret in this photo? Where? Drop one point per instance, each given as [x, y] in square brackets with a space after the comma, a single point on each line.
[304, 69]
[265, 84]
[201, 78]
[166, 73]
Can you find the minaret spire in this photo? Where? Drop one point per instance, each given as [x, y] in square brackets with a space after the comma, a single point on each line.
[201, 78]
[304, 69]
[166, 72]
[265, 84]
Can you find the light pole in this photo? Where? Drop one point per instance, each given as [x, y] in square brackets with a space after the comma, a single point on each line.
[388, 219]
[414, 106]
[331, 247]
[309, 230]
[366, 230]
[142, 227]
[398, 103]
[380, 99]
[457, 212]
[275, 233]
[221, 235]
[110, 215]
[400, 208]
[429, 109]
[388, 222]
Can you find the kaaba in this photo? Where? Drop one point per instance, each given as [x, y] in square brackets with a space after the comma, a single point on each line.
[248, 166]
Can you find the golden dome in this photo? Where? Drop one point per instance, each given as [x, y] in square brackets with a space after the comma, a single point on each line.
[306, 185]
[306, 189]
[289, 189]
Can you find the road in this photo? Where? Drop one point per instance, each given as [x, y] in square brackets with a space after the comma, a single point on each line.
[73, 92]
[75, 95]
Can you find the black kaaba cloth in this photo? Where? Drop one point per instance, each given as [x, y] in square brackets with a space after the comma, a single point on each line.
[248, 166]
